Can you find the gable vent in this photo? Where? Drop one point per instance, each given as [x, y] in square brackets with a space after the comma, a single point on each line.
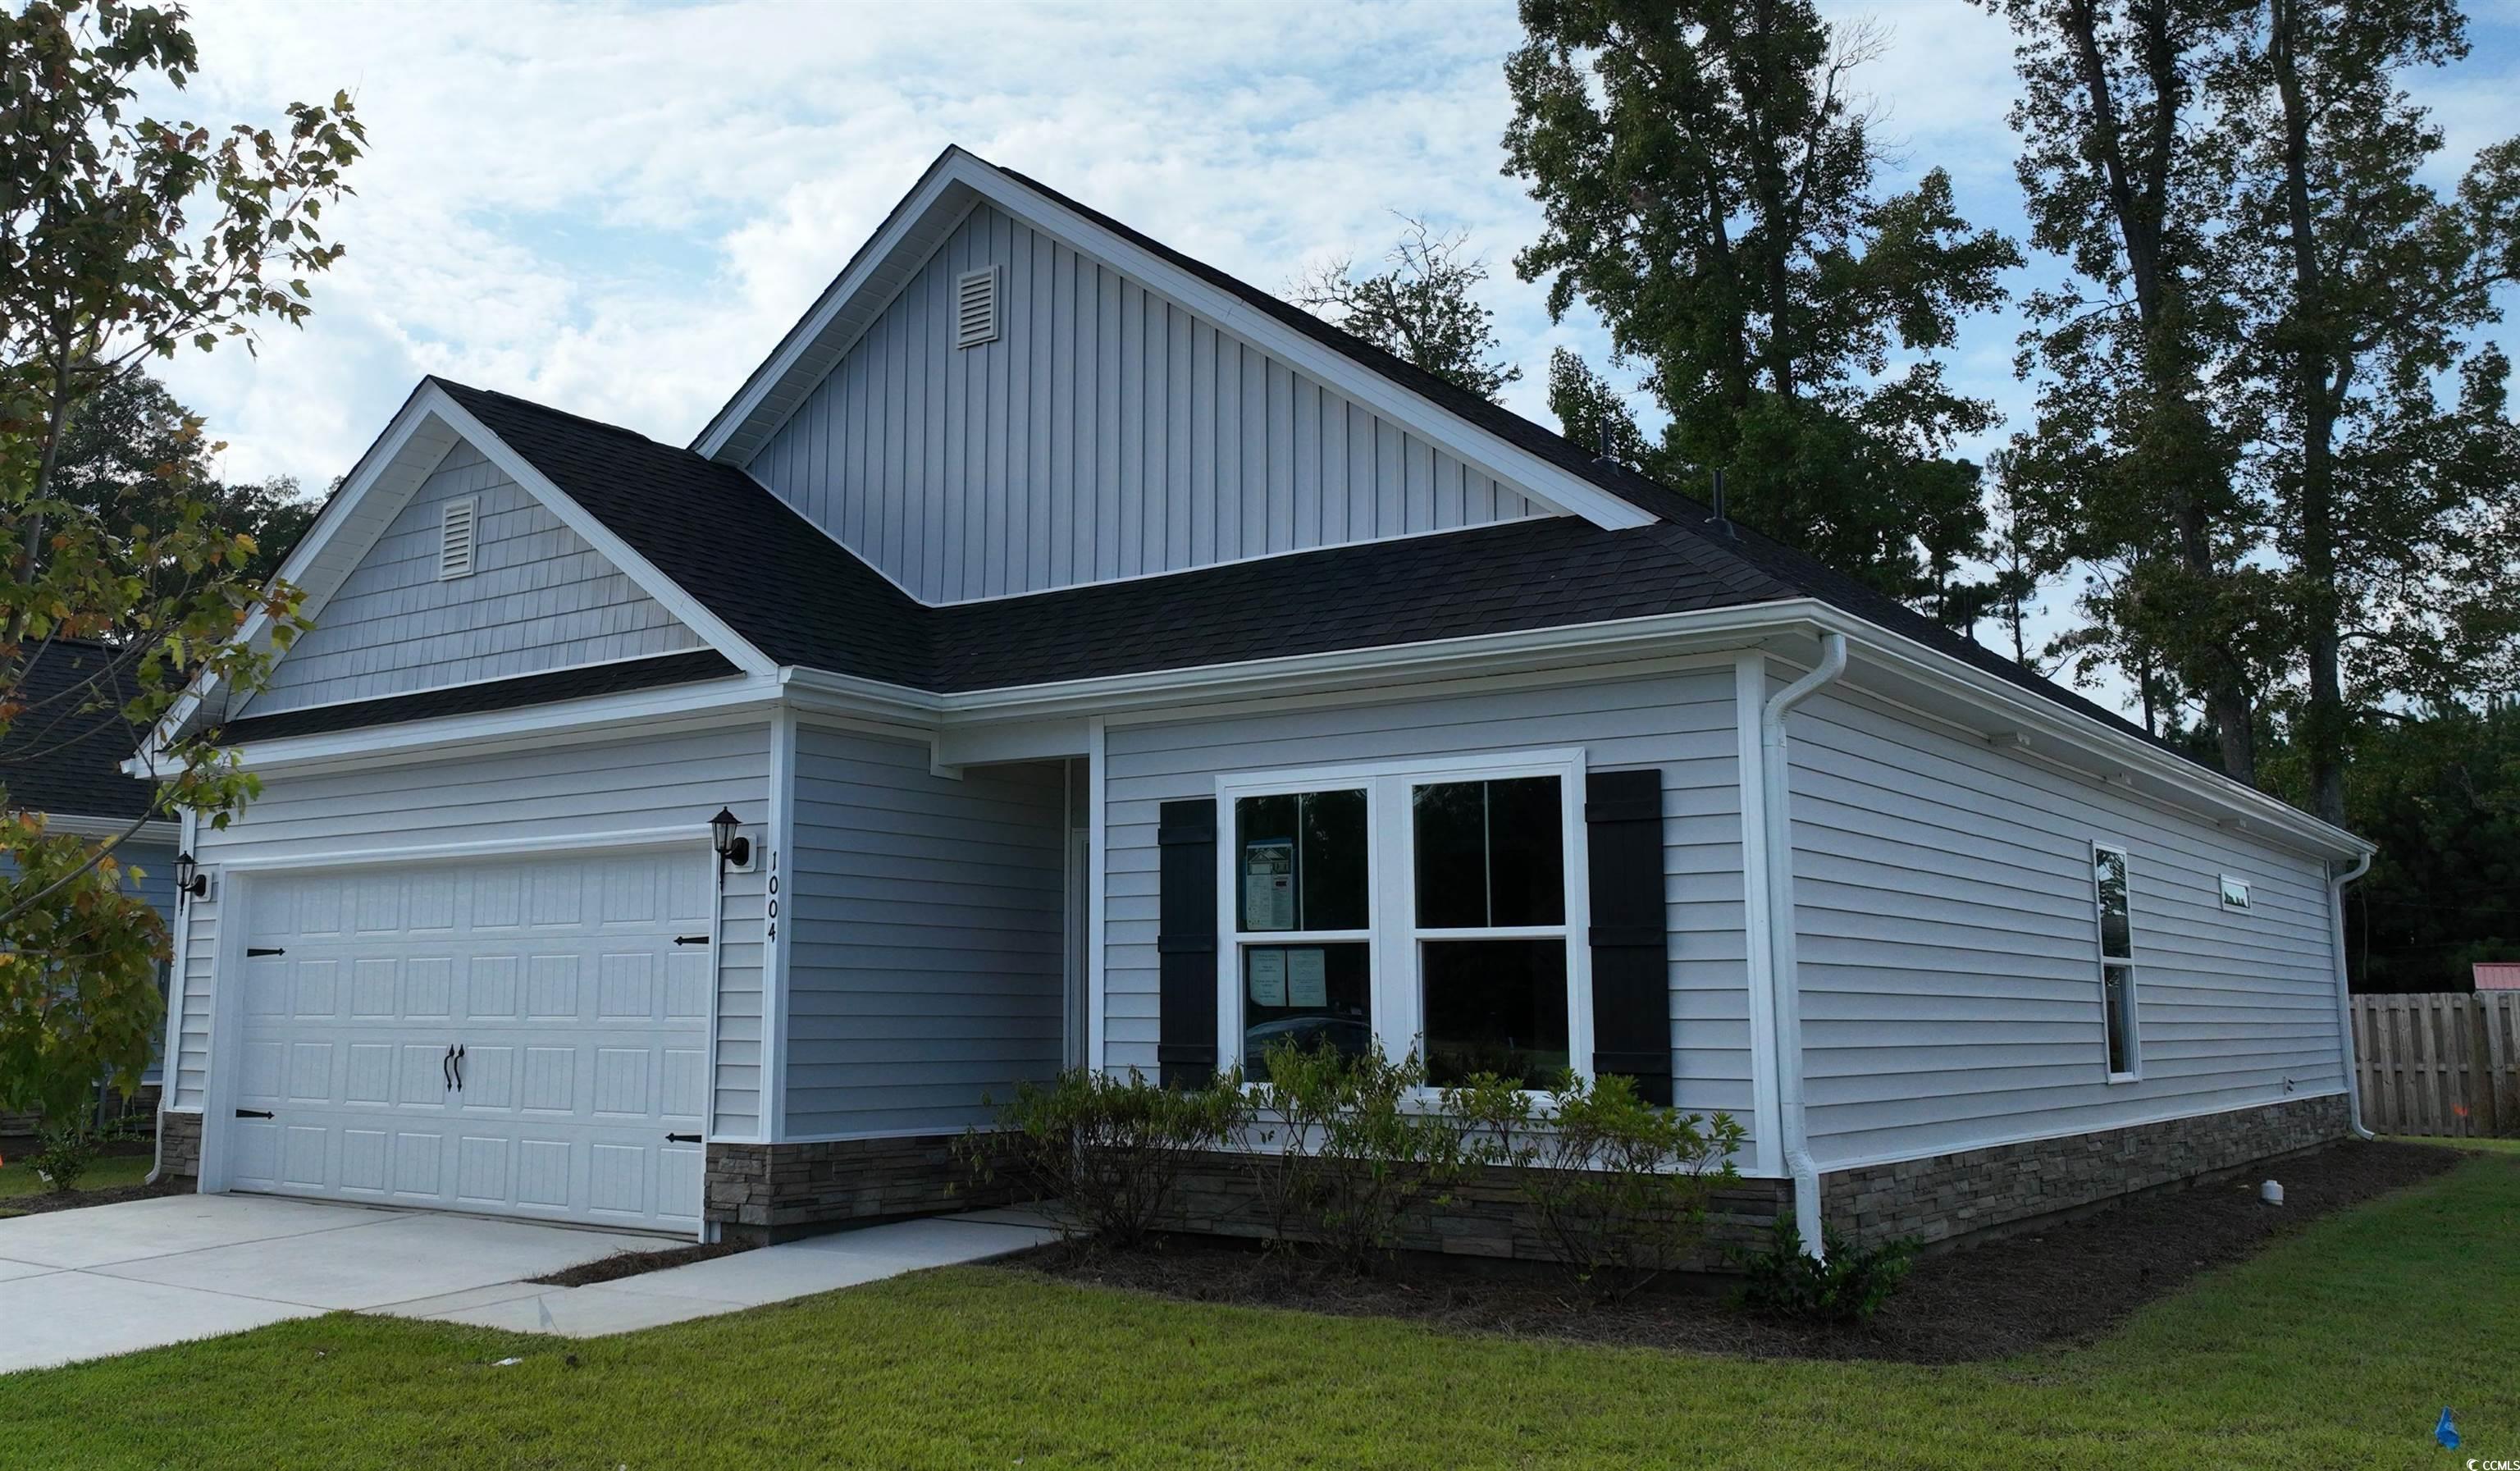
[975, 307]
[455, 534]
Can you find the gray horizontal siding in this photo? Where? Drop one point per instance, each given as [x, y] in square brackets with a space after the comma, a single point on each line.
[1949, 960]
[1107, 434]
[1681, 722]
[924, 964]
[541, 599]
[566, 791]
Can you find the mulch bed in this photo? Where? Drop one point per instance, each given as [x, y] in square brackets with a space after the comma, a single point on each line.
[2068, 1282]
[79, 1200]
[631, 1264]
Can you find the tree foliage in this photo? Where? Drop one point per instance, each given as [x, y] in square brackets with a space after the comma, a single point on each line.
[124, 238]
[1422, 307]
[1708, 182]
[2261, 405]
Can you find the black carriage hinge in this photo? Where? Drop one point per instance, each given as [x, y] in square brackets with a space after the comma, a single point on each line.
[254, 1113]
[253, 951]
[682, 1139]
[691, 939]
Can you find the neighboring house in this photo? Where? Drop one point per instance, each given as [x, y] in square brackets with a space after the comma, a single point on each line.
[2498, 976]
[1108, 663]
[63, 757]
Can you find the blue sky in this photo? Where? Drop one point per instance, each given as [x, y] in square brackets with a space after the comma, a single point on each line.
[617, 208]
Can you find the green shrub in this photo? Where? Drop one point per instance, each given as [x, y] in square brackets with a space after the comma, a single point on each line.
[1849, 1287]
[65, 1153]
[1618, 1187]
[1341, 1146]
[1113, 1148]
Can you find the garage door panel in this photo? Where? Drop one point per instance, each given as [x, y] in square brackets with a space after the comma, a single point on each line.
[584, 1032]
[489, 1078]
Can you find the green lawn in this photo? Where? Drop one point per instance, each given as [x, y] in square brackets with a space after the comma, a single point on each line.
[16, 1177]
[2337, 1348]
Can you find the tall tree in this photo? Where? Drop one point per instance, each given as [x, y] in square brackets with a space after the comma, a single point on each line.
[1709, 187]
[133, 457]
[2131, 461]
[1422, 307]
[2394, 501]
[123, 237]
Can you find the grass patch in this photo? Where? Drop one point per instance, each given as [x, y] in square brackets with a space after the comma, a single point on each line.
[115, 1171]
[2338, 1346]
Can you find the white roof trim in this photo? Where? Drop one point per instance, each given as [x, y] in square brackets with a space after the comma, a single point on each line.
[949, 187]
[428, 425]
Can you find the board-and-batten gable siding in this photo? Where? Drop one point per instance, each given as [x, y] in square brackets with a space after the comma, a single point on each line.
[1949, 961]
[540, 599]
[925, 956]
[564, 792]
[1105, 434]
[1682, 723]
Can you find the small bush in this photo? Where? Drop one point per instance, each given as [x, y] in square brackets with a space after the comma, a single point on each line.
[1849, 1287]
[1113, 1149]
[1617, 1187]
[1343, 1146]
[65, 1153]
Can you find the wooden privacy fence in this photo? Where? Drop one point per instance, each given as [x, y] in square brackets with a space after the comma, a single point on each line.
[2441, 1063]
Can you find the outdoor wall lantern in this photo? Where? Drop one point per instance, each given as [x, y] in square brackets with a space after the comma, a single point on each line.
[732, 848]
[189, 877]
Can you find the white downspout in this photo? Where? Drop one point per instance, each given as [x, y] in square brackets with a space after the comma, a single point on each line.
[2336, 883]
[1788, 1009]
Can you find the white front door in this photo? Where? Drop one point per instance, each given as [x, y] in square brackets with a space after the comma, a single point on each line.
[517, 1036]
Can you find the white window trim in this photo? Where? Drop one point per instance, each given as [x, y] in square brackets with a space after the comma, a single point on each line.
[1392, 935]
[2133, 1072]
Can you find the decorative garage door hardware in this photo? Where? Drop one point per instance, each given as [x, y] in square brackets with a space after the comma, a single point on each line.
[254, 1113]
[453, 1067]
[682, 1139]
[252, 951]
[691, 939]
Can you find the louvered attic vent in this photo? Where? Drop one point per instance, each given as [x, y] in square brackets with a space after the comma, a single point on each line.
[975, 307]
[454, 533]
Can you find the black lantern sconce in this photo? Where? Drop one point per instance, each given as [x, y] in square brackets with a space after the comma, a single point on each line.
[189, 877]
[733, 847]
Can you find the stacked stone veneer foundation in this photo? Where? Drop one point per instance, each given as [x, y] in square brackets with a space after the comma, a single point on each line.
[775, 1192]
[179, 1149]
[768, 1193]
[1955, 1195]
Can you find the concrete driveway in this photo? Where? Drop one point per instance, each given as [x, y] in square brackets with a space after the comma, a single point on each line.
[112, 1278]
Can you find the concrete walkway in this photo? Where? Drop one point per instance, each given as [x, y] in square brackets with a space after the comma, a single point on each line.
[112, 1279]
[746, 1279]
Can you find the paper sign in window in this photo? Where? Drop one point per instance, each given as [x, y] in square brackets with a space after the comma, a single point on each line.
[1269, 884]
[1269, 977]
[1307, 978]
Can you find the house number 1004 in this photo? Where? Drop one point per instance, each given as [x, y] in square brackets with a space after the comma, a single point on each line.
[773, 896]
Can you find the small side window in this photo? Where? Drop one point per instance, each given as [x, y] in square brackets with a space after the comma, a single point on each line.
[2236, 894]
[2109, 878]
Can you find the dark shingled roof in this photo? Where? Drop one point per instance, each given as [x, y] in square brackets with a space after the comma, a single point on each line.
[616, 678]
[801, 599]
[64, 755]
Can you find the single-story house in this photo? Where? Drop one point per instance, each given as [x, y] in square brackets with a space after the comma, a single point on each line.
[1097, 661]
[62, 757]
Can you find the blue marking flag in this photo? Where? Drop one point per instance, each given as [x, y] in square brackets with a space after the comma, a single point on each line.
[2447, 1432]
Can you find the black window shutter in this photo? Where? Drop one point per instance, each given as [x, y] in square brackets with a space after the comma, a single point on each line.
[1631, 948]
[1185, 943]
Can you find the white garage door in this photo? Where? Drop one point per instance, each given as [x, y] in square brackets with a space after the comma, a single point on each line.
[523, 1037]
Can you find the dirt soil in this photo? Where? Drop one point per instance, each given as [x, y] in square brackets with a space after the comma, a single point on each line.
[2065, 1283]
[45, 1200]
[631, 1264]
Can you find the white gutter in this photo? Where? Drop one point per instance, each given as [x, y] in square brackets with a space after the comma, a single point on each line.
[1787, 984]
[2336, 883]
